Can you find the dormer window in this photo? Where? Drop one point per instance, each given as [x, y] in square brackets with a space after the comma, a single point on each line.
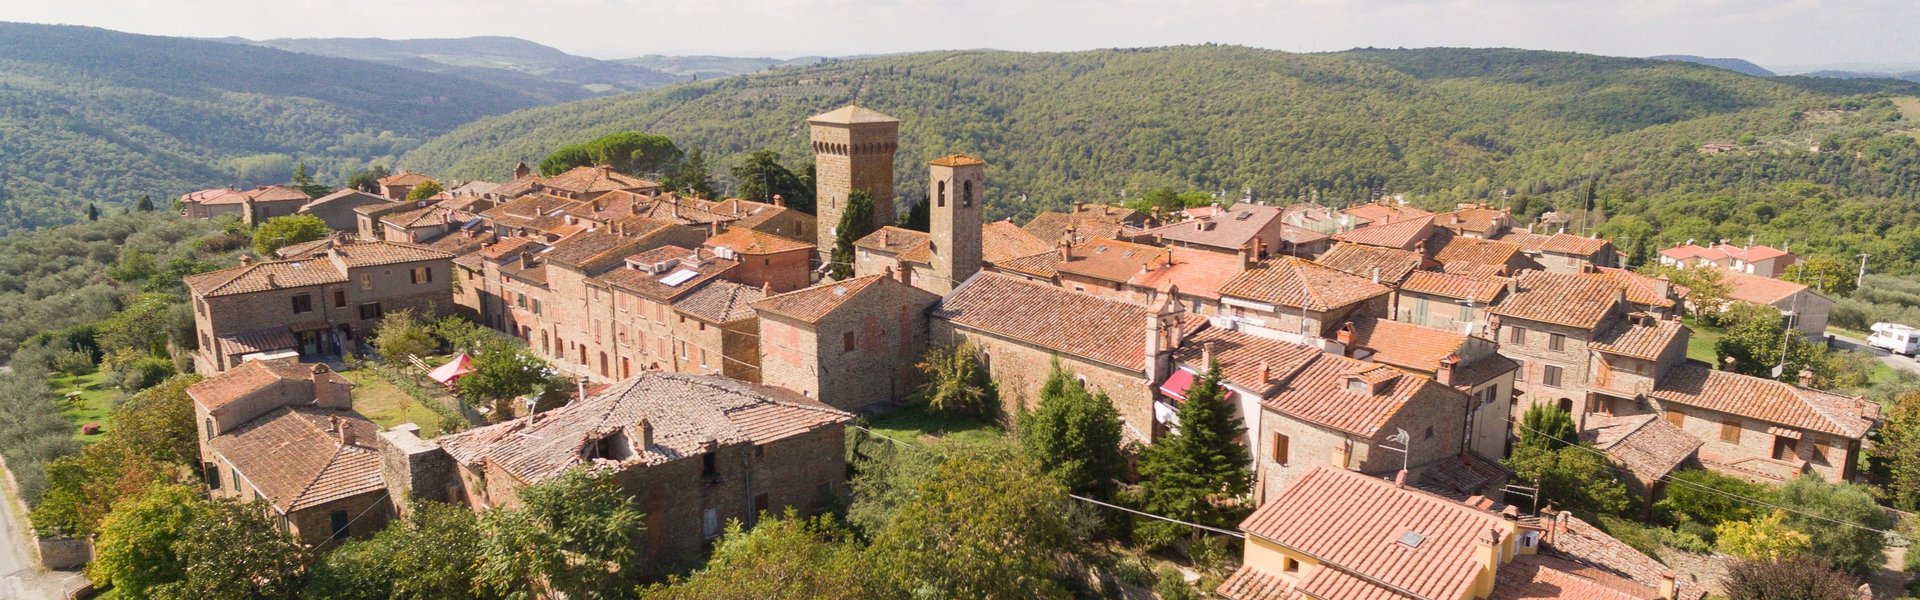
[1358, 386]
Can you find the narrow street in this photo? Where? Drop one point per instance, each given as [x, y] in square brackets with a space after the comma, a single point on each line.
[19, 579]
[1897, 362]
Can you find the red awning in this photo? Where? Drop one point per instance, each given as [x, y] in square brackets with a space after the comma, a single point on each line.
[447, 373]
[1177, 384]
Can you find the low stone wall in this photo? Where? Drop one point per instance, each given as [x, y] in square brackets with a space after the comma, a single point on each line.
[65, 553]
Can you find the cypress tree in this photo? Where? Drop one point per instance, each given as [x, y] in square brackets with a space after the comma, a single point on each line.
[145, 204]
[855, 223]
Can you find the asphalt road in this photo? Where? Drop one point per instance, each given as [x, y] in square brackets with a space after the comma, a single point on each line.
[1896, 361]
[19, 578]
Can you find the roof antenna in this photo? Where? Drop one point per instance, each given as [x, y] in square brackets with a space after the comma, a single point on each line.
[1406, 443]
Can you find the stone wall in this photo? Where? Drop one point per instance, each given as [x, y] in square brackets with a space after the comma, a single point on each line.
[1020, 370]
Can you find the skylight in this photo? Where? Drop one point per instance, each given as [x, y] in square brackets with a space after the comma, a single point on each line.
[1412, 539]
[679, 277]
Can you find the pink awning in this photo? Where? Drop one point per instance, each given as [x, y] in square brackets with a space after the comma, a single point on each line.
[1177, 384]
[447, 373]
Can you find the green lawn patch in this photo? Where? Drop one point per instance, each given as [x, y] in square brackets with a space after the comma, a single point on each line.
[387, 405]
[1700, 346]
[85, 400]
[917, 425]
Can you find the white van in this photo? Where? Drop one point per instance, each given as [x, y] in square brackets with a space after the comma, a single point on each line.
[1895, 338]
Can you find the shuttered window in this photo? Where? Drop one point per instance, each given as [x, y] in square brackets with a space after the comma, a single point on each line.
[1280, 449]
[1730, 430]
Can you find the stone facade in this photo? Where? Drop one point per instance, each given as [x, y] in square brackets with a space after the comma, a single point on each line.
[853, 149]
[956, 186]
[858, 355]
[1729, 439]
[1437, 429]
[329, 317]
[1019, 370]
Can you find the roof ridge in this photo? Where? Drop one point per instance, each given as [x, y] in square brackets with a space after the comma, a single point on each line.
[331, 460]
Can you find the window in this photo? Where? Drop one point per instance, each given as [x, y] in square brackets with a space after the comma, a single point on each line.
[1550, 376]
[940, 196]
[846, 342]
[302, 303]
[1280, 448]
[709, 465]
[421, 274]
[1730, 430]
[760, 505]
[1289, 565]
[1566, 405]
[366, 281]
[213, 475]
[1785, 448]
[235, 477]
[520, 300]
[536, 306]
[209, 428]
[1556, 342]
[966, 194]
[1516, 334]
[339, 298]
[710, 523]
[339, 524]
[370, 310]
[759, 452]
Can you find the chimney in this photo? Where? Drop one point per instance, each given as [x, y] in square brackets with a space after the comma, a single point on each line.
[1400, 479]
[1266, 373]
[272, 281]
[1376, 275]
[245, 260]
[906, 273]
[1259, 248]
[1669, 584]
[1806, 378]
[713, 228]
[1246, 256]
[1727, 365]
[333, 423]
[1486, 548]
[646, 435]
[779, 201]
[1077, 206]
[1420, 247]
[766, 288]
[1444, 376]
[1206, 354]
[1066, 251]
[330, 390]
[1345, 334]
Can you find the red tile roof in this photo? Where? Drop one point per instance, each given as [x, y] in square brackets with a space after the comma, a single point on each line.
[1288, 281]
[216, 391]
[1536, 577]
[1767, 400]
[405, 178]
[1249, 583]
[956, 160]
[1641, 289]
[1585, 544]
[1646, 445]
[297, 460]
[1355, 525]
[1567, 243]
[1111, 260]
[1645, 341]
[1384, 212]
[1563, 299]
[1087, 221]
[1194, 272]
[742, 240]
[591, 180]
[720, 302]
[1481, 290]
[1243, 357]
[1361, 260]
[1398, 234]
[1323, 393]
[1755, 289]
[648, 273]
[899, 242]
[812, 304]
[1476, 219]
[1097, 329]
[1406, 345]
[685, 415]
[1475, 251]
[1231, 229]
[851, 115]
[1003, 240]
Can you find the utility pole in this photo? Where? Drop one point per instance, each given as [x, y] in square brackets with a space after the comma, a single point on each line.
[1862, 277]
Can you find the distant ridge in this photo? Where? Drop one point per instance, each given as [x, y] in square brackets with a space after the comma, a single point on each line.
[1736, 65]
[506, 61]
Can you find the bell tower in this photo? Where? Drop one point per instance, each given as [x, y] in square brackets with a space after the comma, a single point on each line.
[852, 150]
[955, 186]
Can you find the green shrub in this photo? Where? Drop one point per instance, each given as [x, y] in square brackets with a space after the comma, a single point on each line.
[1687, 502]
[1173, 586]
[1133, 571]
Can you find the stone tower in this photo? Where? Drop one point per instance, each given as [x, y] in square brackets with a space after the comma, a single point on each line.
[955, 186]
[852, 150]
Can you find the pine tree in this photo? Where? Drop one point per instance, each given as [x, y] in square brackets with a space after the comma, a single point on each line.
[145, 204]
[855, 223]
[692, 175]
[1199, 463]
[1075, 434]
[303, 180]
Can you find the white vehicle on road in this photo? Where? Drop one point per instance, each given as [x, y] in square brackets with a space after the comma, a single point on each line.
[1895, 338]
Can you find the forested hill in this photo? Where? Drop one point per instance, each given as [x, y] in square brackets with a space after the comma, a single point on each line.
[1440, 124]
[91, 115]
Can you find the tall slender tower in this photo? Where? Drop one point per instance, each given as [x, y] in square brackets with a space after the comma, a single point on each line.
[852, 150]
[956, 184]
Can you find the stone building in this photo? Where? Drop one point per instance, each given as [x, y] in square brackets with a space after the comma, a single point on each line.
[286, 433]
[1459, 303]
[1466, 255]
[1409, 234]
[313, 307]
[1235, 229]
[1751, 259]
[568, 326]
[1085, 222]
[1001, 243]
[780, 264]
[853, 149]
[1580, 347]
[1470, 364]
[851, 344]
[1476, 221]
[641, 321]
[695, 451]
[1564, 252]
[251, 206]
[1762, 429]
[1806, 310]
[957, 188]
[1298, 300]
[336, 209]
[396, 186]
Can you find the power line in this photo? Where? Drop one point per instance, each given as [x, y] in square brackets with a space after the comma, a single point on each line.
[1756, 501]
[1079, 497]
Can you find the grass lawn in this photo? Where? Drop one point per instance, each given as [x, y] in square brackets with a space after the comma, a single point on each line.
[387, 405]
[90, 405]
[1700, 346]
[917, 425]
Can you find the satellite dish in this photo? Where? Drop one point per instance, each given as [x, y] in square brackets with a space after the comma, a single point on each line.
[1400, 438]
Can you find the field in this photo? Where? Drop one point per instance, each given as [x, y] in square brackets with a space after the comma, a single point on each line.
[917, 425]
[1700, 346]
[90, 404]
[387, 405]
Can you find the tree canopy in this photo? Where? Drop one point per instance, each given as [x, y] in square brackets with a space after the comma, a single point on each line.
[280, 232]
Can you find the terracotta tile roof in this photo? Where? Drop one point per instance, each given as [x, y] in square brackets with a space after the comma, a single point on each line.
[1567, 243]
[519, 186]
[1645, 341]
[1111, 260]
[1463, 476]
[1585, 544]
[1767, 400]
[1645, 445]
[1087, 221]
[1476, 219]
[1462, 249]
[593, 180]
[1360, 260]
[1002, 240]
[309, 249]
[433, 214]
[475, 187]
[1323, 393]
[1231, 228]
[1527, 241]
[648, 273]
[1097, 329]
[1355, 524]
[216, 391]
[265, 276]
[296, 459]
[741, 240]
[1383, 212]
[1754, 289]
[508, 247]
[527, 211]
[1481, 290]
[1473, 270]
[747, 213]
[956, 160]
[1562, 299]
[405, 178]
[1249, 583]
[851, 115]
[684, 415]
[1040, 265]
[461, 241]
[1242, 357]
[1536, 577]
[202, 196]
[1641, 289]
[1397, 234]
[348, 194]
[901, 243]
[721, 302]
[265, 193]
[377, 253]
[811, 304]
[259, 340]
[1481, 370]
[1193, 272]
[1406, 345]
[1288, 281]
[591, 251]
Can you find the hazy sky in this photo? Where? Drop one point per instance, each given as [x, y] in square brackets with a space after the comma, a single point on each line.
[1773, 33]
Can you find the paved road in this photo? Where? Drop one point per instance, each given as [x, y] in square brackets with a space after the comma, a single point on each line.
[19, 579]
[1896, 361]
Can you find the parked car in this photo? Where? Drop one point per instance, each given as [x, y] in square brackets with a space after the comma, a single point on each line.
[1895, 338]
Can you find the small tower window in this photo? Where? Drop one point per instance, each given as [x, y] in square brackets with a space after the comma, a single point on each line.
[966, 194]
[940, 195]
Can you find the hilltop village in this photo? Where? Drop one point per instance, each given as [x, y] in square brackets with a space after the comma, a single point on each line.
[1380, 358]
